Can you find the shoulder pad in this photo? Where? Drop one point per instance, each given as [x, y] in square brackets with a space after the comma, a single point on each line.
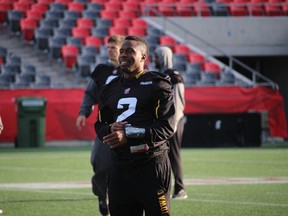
[175, 76]
[100, 67]
[160, 75]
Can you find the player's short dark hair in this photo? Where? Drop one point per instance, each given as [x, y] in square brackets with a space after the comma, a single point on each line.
[117, 39]
[140, 40]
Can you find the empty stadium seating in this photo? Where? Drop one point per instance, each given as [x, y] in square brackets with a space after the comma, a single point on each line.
[93, 41]
[4, 8]
[27, 27]
[58, 26]
[69, 55]
[166, 40]
[41, 37]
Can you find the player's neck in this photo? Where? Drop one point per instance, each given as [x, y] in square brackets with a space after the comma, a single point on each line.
[135, 73]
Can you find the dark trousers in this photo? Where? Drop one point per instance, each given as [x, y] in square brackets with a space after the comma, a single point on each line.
[101, 162]
[175, 157]
[145, 188]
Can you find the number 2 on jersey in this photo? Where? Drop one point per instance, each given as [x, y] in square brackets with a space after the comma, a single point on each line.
[131, 102]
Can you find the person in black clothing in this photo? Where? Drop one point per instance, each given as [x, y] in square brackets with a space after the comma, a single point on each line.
[100, 155]
[163, 58]
[136, 119]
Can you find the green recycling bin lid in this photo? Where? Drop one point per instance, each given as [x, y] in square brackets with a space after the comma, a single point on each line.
[31, 103]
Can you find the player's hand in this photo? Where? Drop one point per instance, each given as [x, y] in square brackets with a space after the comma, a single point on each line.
[117, 126]
[117, 136]
[80, 121]
[115, 139]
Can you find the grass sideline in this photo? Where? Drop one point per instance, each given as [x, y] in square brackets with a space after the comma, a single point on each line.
[219, 182]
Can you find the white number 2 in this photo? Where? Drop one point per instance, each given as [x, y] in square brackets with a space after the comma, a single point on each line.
[131, 102]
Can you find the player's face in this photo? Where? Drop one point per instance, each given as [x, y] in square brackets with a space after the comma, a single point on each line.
[113, 51]
[131, 56]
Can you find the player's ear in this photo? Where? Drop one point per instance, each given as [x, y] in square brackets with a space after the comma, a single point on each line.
[144, 56]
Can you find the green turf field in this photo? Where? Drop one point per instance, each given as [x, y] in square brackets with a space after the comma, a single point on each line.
[220, 182]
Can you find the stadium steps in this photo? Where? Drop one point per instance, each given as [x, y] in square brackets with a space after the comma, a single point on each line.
[60, 75]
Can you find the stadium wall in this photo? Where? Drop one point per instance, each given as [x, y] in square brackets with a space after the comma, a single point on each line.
[63, 106]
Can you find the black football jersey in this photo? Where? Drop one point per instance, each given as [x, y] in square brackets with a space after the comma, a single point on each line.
[146, 102]
[104, 73]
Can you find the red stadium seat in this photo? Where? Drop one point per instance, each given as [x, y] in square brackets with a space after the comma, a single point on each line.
[9, 3]
[212, 67]
[272, 10]
[114, 6]
[182, 49]
[81, 32]
[117, 1]
[136, 31]
[34, 14]
[139, 22]
[84, 22]
[237, 10]
[21, 6]
[132, 6]
[167, 10]
[122, 22]
[187, 1]
[167, 41]
[4, 8]
[94, 42]
[274, 1]
[40, 7]
[76, 6]
[47, 2]
[201, 8]
[105, 39]
[128, 14]
[114, 30]
[106, 14]
[196, 58]
[98, 1]
[240, 1]
[69, 55]
[65, 2]
[134, 1]
[27, 27]
[184, 10]
[255, 8]
[27, 1]
[285, 9]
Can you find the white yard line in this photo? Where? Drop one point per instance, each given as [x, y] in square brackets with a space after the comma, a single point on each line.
[239, 202]
[46, 185]
[45, 169]
[86, 184]
[218, 181]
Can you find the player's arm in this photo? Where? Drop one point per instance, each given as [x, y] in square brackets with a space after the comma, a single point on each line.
[89, 99]
[103, 122]
[163, 126]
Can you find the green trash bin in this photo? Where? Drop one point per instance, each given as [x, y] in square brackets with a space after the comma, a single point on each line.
[31, 113]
